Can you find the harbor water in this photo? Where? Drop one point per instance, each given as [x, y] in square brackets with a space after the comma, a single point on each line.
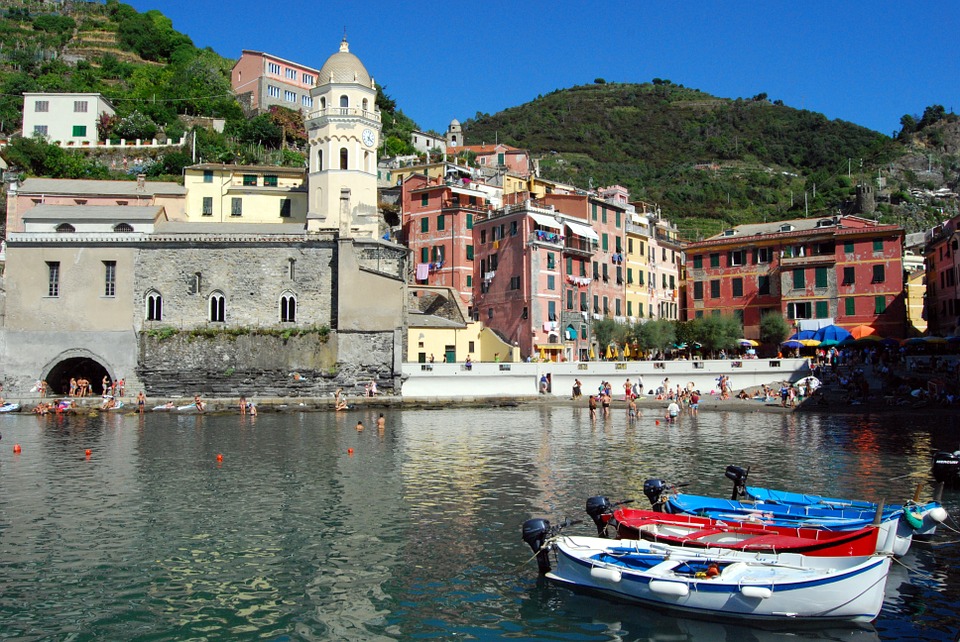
[309, 529]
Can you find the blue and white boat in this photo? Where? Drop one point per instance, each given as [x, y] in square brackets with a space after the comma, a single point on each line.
[718, 584]
[664, 497]
[921, 518]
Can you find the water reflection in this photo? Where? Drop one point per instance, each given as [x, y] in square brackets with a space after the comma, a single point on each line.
[415, 534]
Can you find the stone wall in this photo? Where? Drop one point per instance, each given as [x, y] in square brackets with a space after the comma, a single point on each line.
[227, 365]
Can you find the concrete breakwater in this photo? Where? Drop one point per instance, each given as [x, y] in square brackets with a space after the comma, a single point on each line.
[505, 380]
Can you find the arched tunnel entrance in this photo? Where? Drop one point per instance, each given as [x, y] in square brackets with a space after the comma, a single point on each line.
[58, 379]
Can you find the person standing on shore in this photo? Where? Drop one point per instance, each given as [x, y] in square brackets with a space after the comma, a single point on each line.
[577, 389]
[141, 402]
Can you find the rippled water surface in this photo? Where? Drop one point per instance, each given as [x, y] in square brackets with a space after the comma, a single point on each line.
[415, 534]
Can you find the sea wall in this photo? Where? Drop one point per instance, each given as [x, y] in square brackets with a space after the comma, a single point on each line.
[457, 381]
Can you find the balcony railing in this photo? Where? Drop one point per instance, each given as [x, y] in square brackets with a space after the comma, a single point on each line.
[804, 261]
[579, 246]
[346, 111]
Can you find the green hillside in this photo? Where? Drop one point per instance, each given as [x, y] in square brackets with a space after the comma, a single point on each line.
[153, 75]
[708, 162]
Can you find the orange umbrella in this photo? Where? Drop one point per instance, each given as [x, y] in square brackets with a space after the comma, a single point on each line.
[861, 331]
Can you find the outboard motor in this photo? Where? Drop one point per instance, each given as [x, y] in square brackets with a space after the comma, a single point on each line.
[597, 507]
[535, 533]
[739, 478]
[656, 491]
[946, 467]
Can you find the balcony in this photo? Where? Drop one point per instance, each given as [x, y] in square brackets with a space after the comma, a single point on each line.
[546, 238]
[355, 112]
[579, 246]
[807, 261]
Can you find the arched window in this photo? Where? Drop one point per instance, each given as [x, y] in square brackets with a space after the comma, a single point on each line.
[319, 160]
[364, 104]
[122, 227]
[344, 101]
[217, 307]
[288, 308]
[343, 158]
[66, 227]
[154, 306]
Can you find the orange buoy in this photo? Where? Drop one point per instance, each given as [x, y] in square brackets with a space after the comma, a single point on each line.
[349, 451]
[16, 448]
[219, 457]
[87, 452]
[658, 422]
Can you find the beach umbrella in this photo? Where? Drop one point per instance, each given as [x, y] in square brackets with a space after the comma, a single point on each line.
[804, 335]
[862, 331]
[747, 343]
[610, 352]
[891, 343]
[680, 346]
[810, 343]
[592, 355]
[831, 333]
[829, 343]
[953, 339]
[849, 341]
[626, 351]
[791, 343]
[935, 340]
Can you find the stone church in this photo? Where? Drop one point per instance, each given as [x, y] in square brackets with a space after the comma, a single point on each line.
[121, 280]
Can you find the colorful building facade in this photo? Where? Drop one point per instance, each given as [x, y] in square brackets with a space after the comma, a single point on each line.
[847, 269]
[943, 279]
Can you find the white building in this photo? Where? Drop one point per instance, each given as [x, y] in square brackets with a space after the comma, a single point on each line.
[64, 118]
[424, 142]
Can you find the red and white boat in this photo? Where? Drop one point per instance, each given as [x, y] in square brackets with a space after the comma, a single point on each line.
[691, 531]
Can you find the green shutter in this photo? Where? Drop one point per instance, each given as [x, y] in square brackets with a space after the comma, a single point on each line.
[469, 221]
[424, 224]
[798, 280]
[821, 276]
[821, 309]
[698, 262]
[850, 306]
[469, 252]
[879, 304]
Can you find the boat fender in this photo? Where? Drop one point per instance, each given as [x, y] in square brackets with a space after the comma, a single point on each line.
[938, 514]
[757, 592]
[675, 589]
[914, 518]
[609, 574]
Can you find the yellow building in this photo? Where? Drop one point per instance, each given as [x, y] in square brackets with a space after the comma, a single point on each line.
[245, 194]
[638, 293]
[916, 290]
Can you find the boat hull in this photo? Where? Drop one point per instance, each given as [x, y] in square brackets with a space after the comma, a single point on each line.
[755, 587]
[702, 532]
[890, 540]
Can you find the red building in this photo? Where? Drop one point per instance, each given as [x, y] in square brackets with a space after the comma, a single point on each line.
[847, 269]
[438, 219]
[943, 279]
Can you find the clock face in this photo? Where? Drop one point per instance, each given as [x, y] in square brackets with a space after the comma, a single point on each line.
[368, 137]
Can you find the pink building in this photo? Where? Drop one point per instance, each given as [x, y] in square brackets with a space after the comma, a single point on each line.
[502, 156]
[533, 280]
[61, 191]
[261, 80]
[943, 279]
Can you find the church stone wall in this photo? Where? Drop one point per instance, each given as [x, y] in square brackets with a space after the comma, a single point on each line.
[252, 278]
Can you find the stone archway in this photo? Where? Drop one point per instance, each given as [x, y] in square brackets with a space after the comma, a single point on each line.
[75, 365]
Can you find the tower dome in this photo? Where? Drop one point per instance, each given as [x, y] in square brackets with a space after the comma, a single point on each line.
[344, 67]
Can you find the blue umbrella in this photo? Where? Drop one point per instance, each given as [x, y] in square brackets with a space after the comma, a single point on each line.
[831, 333]
[791, 344]
[804, 334]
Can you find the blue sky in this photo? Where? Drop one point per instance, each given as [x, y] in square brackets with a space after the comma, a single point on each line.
[865, 62]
